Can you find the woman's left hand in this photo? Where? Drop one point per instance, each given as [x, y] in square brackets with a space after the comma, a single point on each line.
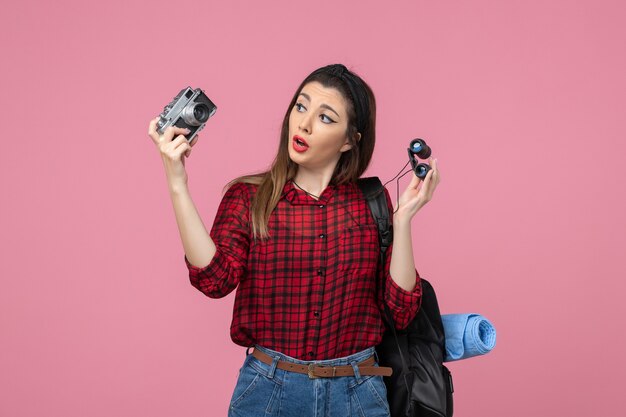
[414, 198]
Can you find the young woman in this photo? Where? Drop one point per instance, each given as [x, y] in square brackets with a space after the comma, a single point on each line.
[300, 245]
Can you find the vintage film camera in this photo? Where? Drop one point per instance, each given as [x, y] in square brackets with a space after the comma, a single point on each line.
[189, 109]
[419, 148]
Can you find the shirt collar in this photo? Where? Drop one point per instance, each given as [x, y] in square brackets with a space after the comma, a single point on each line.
[296, 196]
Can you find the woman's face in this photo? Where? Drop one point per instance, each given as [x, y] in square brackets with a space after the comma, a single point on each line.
[320, 118]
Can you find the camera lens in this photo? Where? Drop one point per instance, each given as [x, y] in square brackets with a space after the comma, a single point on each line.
[201, 113]
[195, 114]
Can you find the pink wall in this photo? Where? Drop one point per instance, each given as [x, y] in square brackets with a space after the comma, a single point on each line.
[522, 103]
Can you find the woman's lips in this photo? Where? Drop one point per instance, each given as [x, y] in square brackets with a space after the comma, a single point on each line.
[298, 147]
[301, 139]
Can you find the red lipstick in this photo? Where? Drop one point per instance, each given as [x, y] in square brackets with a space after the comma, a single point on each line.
[299, 144]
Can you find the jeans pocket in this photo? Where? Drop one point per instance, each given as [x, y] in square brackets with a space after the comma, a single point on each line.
[369, 398]
[254, 394]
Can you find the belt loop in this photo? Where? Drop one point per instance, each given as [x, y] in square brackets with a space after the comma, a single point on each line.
[270, 372]
[376, 356]
[248, 350]
[357, 374]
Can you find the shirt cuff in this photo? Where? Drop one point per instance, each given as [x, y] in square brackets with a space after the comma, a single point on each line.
[400, 299]
[213, 269]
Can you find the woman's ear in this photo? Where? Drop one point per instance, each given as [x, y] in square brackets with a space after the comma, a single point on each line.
[346, 146]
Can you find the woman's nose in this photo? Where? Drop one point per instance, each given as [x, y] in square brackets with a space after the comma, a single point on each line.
[305, 123]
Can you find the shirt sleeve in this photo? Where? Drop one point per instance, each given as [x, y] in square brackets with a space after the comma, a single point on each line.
[230, 233]
[402, 303]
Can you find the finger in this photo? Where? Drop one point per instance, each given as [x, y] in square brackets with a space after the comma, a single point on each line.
[170, 146]
[187, 151]
[432, 162]
[194, 140]
[436, 174]
[152, 132]
[429, 175]
[172, 131]
[174, 152]
[181, 151]
[432, 184]
[186, 148]
[415, 181]
[427, 178]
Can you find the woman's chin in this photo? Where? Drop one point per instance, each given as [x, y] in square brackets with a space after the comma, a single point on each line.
[295, 156]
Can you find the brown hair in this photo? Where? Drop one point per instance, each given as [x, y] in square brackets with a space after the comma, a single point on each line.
[350, 166]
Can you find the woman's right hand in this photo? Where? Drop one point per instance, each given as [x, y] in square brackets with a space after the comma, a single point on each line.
[173, 152]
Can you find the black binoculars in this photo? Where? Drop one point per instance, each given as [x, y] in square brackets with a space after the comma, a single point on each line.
[419, 148]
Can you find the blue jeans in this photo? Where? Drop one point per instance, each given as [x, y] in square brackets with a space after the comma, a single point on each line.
[264, 390]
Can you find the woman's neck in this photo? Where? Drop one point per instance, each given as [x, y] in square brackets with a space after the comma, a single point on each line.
[312, 184]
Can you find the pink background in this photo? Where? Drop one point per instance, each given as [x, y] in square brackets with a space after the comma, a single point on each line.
[522, 103]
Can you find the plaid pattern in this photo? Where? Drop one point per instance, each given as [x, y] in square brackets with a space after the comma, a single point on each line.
[315, 289]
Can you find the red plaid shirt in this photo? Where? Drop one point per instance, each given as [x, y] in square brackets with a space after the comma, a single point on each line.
[315, 289]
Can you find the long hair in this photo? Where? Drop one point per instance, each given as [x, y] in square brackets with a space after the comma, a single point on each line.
[350, 166]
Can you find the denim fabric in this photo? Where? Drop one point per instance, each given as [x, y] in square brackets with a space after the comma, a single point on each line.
[467, 335]
[264, 390]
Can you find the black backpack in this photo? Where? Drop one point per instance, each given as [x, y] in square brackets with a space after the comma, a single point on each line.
[421, 385]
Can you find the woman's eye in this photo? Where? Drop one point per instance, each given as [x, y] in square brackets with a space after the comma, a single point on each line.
[298, 106]
[329, 119]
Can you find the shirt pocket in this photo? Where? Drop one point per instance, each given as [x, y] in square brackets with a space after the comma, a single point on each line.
[359, 249]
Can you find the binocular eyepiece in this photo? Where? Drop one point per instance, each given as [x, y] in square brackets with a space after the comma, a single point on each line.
[419, 148]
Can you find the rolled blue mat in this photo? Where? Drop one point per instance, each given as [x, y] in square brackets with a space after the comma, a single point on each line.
[467, 335]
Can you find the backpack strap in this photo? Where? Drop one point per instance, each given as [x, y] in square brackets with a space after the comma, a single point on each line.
[373, 190]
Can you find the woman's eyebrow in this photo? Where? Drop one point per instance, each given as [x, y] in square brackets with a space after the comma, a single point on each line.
[323, 105]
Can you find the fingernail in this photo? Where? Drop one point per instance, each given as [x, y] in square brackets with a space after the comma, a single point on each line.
[187, 130]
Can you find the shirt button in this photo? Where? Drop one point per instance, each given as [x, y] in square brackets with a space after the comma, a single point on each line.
[316, 313]
[320, 272]
[321, 206]
[311, 354]
[322, 235]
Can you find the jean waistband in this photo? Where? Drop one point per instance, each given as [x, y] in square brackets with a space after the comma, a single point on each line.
[345, 360]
